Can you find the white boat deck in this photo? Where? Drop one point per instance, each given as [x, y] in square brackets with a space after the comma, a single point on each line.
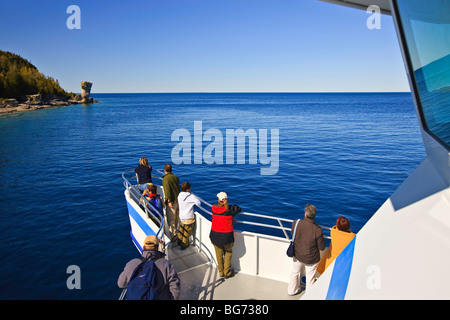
[262, 269]
[200, 280]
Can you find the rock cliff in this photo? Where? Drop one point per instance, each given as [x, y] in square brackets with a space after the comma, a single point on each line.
[37, 101]
[85, 91]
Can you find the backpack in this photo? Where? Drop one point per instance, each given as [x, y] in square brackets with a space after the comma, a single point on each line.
[143, 282]
[156, 202]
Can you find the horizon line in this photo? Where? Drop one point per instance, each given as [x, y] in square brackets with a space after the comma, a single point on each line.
[184, 92]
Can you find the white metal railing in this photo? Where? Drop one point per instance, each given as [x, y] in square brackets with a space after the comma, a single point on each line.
[274, 223]
[280, 225]
[148, 207]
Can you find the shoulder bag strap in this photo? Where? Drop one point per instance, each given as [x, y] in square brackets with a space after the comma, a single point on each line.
[295, 230]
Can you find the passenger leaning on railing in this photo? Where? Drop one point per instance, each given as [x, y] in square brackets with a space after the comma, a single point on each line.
[186, 203]
[144, 173]
[341, 235]
[308, 241]
[221, 234]
[154, 198]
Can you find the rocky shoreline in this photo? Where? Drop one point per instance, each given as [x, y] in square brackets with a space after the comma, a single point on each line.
[37, 101]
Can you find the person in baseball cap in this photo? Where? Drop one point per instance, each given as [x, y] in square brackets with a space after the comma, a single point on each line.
[167, 280]
[151, 243]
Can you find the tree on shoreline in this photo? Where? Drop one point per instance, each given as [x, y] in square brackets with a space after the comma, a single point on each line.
[18, 78]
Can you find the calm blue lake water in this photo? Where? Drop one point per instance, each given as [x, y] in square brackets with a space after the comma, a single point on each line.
[61, 189]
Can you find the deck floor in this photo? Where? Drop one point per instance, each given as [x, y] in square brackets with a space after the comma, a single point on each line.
[200, 280]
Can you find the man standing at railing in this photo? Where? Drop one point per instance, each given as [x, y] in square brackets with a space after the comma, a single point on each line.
[308, 241]
[186, 203]
[171, 186]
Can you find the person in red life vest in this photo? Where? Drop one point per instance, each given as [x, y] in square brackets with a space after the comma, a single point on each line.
[221, 234]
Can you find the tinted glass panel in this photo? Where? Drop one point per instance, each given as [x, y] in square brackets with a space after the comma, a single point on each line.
[426, 27]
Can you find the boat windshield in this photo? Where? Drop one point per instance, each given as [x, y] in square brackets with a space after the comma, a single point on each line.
[426, 33]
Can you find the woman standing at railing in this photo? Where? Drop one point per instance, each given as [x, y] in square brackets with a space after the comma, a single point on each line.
[222, 233]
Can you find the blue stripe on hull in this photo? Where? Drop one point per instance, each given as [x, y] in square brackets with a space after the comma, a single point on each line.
[139, 220]
[141, 223]
[341, 273]
[138, 246]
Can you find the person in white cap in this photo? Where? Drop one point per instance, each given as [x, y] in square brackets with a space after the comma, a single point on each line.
[222, 233]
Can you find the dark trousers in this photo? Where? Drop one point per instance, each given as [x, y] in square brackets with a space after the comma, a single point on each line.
[185, 232]
[223, 255]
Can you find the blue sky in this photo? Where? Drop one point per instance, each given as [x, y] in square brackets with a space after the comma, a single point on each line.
[206, 46]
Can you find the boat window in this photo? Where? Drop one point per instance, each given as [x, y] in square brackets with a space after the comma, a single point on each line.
[426, 33]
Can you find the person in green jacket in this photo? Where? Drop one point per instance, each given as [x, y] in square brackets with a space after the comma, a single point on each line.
[171, 187]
